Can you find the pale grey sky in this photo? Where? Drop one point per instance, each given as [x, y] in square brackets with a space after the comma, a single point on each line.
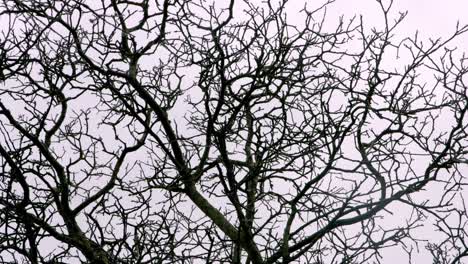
[432, 18]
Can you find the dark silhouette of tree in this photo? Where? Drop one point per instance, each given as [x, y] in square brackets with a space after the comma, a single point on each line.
[195, 132]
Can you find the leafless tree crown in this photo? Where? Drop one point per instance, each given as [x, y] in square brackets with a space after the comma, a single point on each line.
[201, 131]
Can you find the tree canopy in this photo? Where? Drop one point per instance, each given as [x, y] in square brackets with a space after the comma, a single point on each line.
[184, 131]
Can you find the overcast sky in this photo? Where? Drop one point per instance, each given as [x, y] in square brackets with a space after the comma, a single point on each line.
[431, 17]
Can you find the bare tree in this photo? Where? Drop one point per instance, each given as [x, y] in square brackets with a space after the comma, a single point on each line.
[195, 132]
